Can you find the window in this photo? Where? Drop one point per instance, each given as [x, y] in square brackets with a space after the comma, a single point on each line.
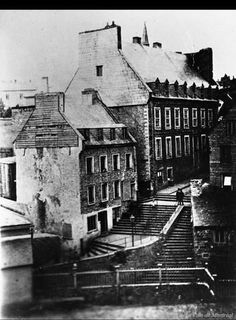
[132, 191]
[203, 118]
[203, 142]
[219, 236]
[157, 118]
[168, 147]
[225, 154]
[167, 118]
[91, 194]
[177, 118]
[186, 118]
[159, 177]
[99, 70]
[103, 163]
[92, 223]
[112, 134]
[116, 161]
[194, 117]
[210, 117]
[87, 134]
[124, 133]
[128, 161]
[186, 145]
[177, 146]
[158, 148]
[116, 189]
[230, 128]
[89, 165]
[100, 133]
[104, 191]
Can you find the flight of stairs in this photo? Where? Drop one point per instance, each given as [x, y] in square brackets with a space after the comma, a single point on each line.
[177, 250]
[149, 221]
[98, 248]
[165, 197]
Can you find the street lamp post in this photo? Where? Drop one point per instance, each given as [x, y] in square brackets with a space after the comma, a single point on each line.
[132, 218]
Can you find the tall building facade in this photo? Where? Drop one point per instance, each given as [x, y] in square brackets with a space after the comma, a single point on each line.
[166, 99]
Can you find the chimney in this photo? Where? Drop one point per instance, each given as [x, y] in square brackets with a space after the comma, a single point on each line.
[157, 45]
[137, 40]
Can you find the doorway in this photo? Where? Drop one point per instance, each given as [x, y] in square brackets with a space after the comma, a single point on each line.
[170, 174]
[102, 217]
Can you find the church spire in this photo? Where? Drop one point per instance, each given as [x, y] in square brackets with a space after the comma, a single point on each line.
[145, 41]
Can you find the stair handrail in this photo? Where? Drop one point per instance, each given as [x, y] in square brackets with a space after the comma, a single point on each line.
[167, 227]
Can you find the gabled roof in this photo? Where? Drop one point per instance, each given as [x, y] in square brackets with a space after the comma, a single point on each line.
[152, 63]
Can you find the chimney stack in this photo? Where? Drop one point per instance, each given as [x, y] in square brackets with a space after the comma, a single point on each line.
[157, 45]
[137, 40]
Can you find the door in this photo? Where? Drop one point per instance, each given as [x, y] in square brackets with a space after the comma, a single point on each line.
[102, 217]
[170, 174]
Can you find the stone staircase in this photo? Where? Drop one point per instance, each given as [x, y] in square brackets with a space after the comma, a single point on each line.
[98, 248]
[149, 221]
[177, 250]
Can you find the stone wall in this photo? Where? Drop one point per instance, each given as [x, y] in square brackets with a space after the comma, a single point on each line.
[49, 183]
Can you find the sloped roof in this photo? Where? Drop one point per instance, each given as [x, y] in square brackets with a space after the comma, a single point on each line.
[8, 218]
[87, 116]
[152, 63]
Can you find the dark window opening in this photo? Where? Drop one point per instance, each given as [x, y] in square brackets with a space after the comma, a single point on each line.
[112, 134]
[99, 70]
[124, 133]
[91, 198]
[104, 191]
[116, 189]
[103, 163]
[132, 191]
[100, 133]
[128, 161]
[92, 225]
[89, 165]
[225, 154]
[115, 162]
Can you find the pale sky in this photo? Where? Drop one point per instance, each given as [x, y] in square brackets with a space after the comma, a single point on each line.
[37, 43]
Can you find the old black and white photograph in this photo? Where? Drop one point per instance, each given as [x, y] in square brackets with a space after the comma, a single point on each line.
[118, 164]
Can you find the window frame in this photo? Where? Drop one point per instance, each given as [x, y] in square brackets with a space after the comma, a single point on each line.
[187, 151]
[107, 192]
[157, 109]
[180, 147]
[118, 161]
[93, 186]
[186, 124]
[94, 216]
[171, 151]
[194, 119]
[167, 127]
[161, 152]
[219, 237]
[114, 189]
[203, 119]
[210, 118]
[86, 164]
[131, 161]
[175, 117]
[100, 163]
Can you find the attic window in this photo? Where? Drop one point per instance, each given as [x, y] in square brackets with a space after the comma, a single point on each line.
[99, 70]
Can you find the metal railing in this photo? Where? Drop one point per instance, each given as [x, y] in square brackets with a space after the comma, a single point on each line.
[131, 277]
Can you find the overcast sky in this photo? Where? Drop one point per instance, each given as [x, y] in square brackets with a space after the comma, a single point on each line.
[36, 43]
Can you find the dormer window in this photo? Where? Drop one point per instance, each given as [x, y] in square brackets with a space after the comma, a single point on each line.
[124, 133]
[112, 134]
[100, 133]
[99, 70]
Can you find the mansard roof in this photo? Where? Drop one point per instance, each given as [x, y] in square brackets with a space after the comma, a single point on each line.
[152, 63]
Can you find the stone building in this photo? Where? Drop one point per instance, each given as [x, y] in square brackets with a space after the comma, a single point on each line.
[213, 213]
[223, 139]
[75, 178]
[166, 99]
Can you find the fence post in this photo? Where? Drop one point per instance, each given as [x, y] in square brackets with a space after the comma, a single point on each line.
[74, 269]
[117, 283]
